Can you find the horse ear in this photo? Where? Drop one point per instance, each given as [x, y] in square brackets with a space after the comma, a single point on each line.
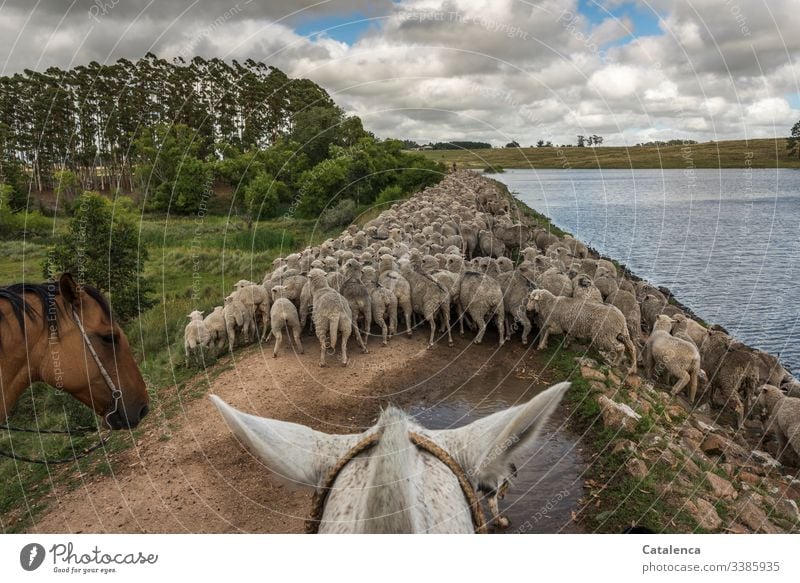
[489, 449]
[70, 290]
[298, 455]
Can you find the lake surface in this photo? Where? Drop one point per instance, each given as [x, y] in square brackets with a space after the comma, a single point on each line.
[725, 242]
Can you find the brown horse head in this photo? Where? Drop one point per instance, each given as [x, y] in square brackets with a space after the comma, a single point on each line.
[54, 350]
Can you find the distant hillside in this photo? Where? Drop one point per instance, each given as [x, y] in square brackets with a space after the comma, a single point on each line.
[766, 153]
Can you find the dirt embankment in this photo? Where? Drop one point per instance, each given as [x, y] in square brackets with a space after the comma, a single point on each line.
[188, 473]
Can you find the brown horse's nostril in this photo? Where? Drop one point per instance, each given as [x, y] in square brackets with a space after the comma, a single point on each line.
[143, 411]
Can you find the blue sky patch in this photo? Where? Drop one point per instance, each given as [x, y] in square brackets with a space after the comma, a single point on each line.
[645, 21]
[347, 28]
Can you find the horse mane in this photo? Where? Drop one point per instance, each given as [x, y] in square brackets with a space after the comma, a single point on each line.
[46, 293]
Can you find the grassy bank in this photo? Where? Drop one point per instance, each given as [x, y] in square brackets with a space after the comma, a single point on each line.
[193, 265]
[764, 153]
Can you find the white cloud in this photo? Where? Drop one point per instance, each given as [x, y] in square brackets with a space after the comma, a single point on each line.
[476, 69]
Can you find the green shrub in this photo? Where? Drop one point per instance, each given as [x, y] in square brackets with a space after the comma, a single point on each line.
[101, 248]
[339, 216]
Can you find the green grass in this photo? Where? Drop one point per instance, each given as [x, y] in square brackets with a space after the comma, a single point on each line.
[193, 265]
[762, 153]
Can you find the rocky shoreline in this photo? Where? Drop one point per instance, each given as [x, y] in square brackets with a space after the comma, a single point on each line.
[659, 462]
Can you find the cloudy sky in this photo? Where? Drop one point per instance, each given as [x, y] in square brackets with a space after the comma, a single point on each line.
[491, 70]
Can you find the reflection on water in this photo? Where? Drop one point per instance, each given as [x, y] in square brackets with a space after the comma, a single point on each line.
[548, 486]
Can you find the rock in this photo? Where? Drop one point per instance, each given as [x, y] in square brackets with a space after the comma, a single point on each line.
[636, 468]
[736, 528]
[642, 406]
[597, 387]
[691, 433]
[614, 379]
[703, 426]
[617, 415]
[591, 374]
[720, 487]
[790, 509]
[586, 361]
[764, 459]
[623, 445]
[633, 381]
[749, 478]
[704, 513]
[754, 517]
[715, 444]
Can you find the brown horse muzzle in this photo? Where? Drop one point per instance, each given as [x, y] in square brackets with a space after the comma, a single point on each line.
[127, 417]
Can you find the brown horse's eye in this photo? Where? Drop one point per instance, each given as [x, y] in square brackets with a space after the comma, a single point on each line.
[108, 339]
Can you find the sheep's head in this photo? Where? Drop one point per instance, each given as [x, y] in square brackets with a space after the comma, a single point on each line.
[535, 298]
[317, 277]
[663, 322]
[278, 291]
[352, 268]
[454, 263]
[196, 315]
[505, 264]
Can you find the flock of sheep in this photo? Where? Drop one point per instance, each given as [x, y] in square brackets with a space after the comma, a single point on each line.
[446, 254]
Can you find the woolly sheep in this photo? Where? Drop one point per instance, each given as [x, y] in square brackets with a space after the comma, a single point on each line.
[215, 323]
[626, 303]
[583, 288]
[237, 319]
[429, 298]
[384, 304]
[357, 296]
[398, 285]
[605, 282]
[783, 420]
[685, 325]
[679, 358]
[490, 245]
[602, 324]
[283, 314]
[195, 334]
[555, 282]
[481, 296]
[331, 315]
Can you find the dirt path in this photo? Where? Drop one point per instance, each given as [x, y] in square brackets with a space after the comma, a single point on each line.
[201, 480]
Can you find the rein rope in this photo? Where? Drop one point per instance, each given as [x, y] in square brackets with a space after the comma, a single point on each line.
[116, 395]
[420, 442]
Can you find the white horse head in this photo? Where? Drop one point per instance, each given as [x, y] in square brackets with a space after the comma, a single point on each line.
[396, 487]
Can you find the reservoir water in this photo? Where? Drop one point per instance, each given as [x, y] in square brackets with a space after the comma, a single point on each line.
[725, 242]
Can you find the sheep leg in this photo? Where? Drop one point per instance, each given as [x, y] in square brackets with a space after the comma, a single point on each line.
[626, 340]
[296, 334]
[407, 312]
[499, 318]
[367, 325]
[432, 321]
[392, 319]
[526, 328]
[278, 338]
[461, 318]
[446, 310]
[693, 386]
[481, 327]
[345, 337]
[360, 340]
[384, 331]
[543, 340]
[683, 380]
[321, 338]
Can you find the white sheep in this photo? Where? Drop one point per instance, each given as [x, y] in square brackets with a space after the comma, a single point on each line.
[679, 358]
[783, 420]
[283, 314]
[215, 323]
[601, 324]
[195, 335]
[331, 314]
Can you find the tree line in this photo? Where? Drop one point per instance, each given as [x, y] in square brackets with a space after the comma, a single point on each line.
[88, 119]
